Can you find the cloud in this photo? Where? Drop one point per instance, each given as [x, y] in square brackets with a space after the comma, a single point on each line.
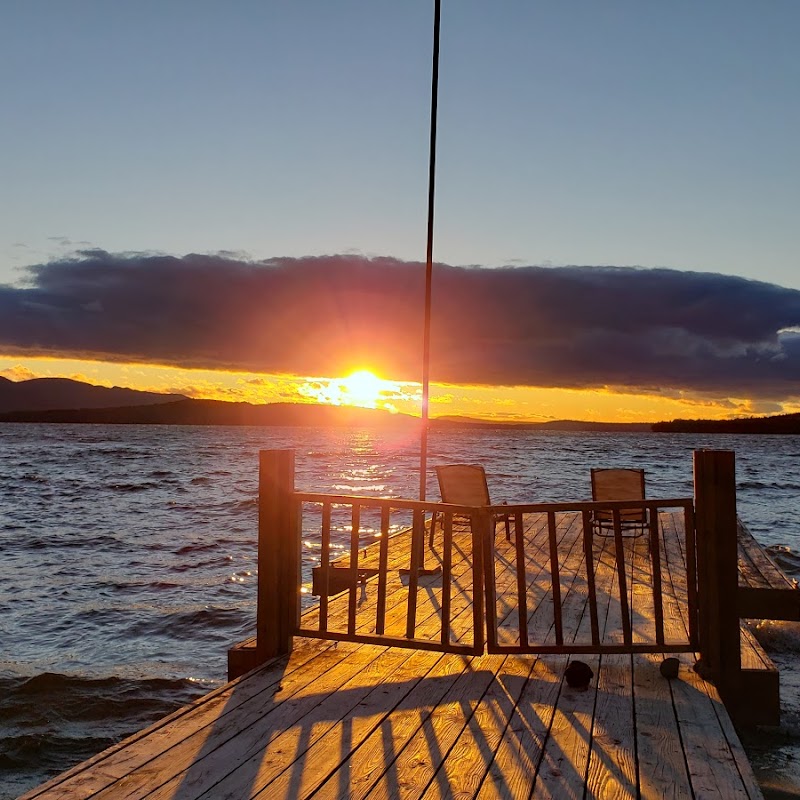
[654, 330]
[18, 373]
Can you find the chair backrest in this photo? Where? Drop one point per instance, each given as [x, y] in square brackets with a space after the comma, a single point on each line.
[463, 484]
[618, 484]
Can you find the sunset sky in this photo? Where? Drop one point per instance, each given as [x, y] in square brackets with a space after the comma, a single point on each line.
[229, 201]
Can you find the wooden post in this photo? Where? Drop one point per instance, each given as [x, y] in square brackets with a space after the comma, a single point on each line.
[718, 576]
[278, 610]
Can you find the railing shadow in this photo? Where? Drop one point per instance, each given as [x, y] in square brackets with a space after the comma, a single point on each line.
[401, 734]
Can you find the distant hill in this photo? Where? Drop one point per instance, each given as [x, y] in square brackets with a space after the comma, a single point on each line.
[779, 423]
[43, 394]
[218, 412]
[64, 400]
[552, 425]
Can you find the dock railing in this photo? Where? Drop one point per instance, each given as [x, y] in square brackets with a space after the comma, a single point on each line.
[397, 592]
[561, 566]
[469, 593]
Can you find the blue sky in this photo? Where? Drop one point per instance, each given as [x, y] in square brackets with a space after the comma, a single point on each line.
[571, 133]
[180, 180]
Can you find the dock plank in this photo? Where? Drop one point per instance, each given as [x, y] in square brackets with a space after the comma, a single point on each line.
[468, 761]
[612, 759]
[564, 765]
[663, 773]
[518, 756]
[320, 743]
[376, 758]
[198, 762]
[460, 775]
[660, 762]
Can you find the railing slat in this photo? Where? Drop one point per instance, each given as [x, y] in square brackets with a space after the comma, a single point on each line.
[619, 549]
[482, 553]
[383, 569]
[555, 577]
[447, 567]
[522, 581]
[389, 641]
[488, 549]
[524, 508]
[691, 576]
[588, 553]
[352, 600]
[417, 554]
[325, 560]
[655, 564]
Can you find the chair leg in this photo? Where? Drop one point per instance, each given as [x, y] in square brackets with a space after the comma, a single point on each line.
[433, 530]
[508, 528]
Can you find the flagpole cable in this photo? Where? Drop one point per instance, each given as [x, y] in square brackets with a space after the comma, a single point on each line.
[426, 337]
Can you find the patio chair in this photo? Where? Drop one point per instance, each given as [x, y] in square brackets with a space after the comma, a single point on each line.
[465, 485]
[619, 484]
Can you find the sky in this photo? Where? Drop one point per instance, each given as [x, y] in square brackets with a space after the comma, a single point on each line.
[229, 200]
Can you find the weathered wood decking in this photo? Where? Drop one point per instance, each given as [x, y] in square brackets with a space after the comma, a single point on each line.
[359, 720]
[764, 590]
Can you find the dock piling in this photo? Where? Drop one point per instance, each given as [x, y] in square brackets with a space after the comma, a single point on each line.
[278, 608]
[717, 572]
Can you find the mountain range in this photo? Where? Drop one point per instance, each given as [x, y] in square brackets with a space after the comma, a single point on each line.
[64, 400]
[44, 394]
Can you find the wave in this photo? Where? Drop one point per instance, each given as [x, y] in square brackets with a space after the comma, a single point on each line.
[53, 683]
[134, 487]
[196, 548]
[786, 558]
[138, 587]
[76, 540]
[759, 486]
[33, 477]
[202, 565]
[198, 625]
[779, 637]
[50, 721]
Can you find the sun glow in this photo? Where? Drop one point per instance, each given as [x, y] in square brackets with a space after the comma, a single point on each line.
[360, 388]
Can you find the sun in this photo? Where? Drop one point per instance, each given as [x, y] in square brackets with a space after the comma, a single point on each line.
[360, 388]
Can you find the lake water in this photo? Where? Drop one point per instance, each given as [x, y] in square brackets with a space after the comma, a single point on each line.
[128, 558]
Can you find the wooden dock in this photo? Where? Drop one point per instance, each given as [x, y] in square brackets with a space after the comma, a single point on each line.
[364, 721]
[350, 713]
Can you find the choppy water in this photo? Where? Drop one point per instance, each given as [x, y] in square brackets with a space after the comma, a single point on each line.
[128, 558]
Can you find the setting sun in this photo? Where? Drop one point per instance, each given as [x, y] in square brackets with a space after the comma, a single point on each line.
[361, 388]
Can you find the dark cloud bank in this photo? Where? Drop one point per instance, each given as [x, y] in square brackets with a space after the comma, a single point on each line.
[571, 327]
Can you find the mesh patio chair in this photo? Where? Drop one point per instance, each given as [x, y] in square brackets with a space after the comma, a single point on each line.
[619, 484]
[465, 485]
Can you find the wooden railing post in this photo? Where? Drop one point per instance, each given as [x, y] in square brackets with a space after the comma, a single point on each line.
[718, 576]
[278, 610]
